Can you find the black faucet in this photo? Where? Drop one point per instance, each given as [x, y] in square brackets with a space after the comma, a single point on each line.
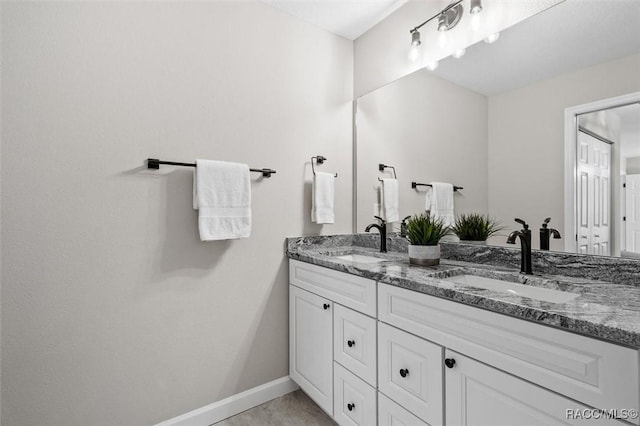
[525, 245]
[545, 235]
[403, 227]
[382, 229]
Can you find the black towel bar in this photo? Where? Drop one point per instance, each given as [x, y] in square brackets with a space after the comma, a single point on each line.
[415, 184]
[154, 163]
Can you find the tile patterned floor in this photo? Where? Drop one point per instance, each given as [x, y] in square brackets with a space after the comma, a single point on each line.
[293, 409]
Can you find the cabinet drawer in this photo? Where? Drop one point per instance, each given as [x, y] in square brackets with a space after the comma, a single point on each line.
[354, 400]
[597, 373]
[410, 372]
[349, 290]
[354, 342]
[391, 414]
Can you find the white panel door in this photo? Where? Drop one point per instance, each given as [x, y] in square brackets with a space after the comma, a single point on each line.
[633, 213]
[310, 345]
[479, 395]
[594, 195]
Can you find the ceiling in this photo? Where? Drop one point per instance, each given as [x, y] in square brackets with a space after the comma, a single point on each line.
[347, 18]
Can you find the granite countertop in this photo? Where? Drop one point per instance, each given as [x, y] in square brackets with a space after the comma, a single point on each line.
[603, 310]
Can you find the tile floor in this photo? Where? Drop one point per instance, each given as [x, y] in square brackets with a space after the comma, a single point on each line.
[293, 409]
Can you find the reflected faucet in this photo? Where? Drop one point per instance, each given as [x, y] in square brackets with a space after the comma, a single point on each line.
[382, 229]
[545, 234]
[525, 246]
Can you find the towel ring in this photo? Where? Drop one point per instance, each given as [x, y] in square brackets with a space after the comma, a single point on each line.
[320, 160]
[381, 167]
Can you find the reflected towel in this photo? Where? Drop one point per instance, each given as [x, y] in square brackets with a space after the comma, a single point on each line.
[390, 200]
[441, 196]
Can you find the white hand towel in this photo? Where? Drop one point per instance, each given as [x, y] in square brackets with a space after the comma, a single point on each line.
[390, 200]
[322, 198]
[442, 202]
[222, 196]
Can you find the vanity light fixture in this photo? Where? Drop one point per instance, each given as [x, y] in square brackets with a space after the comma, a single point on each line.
[447, 18]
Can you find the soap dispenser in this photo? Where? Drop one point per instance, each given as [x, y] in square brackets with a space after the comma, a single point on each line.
[545, 234]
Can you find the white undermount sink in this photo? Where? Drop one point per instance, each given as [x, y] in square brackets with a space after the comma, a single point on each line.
[359, 258]
[537, 293]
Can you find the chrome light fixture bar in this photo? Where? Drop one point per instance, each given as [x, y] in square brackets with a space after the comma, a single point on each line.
[447, 17]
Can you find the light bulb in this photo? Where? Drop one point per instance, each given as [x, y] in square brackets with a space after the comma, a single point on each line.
[475, 22]
[443, 25]
[476, 7]
[459, 53]
[491, 38]
[414, 54]
[443, 40]
[431, 65]
[415, 38]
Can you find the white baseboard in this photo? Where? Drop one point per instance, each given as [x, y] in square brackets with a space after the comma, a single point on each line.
[233, 405]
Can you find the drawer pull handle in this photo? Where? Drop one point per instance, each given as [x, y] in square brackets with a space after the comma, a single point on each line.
[350, 406]
[351, 343]
[326, 306]
[404, 372]
[450, 362]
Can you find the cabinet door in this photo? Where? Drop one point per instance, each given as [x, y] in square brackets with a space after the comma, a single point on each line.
[410, 372]
[479, 395]
[310, 345]
[354, 400]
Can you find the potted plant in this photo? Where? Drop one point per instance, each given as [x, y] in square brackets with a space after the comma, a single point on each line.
[475, 227]
[424, 233]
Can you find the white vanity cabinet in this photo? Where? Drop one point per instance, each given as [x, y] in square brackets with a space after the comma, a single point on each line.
[332, 341]
[415, 359]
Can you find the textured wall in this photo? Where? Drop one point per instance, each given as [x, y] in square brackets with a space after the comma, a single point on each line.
[113, 311]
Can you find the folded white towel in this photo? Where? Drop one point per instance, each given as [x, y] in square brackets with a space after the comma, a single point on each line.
[322, 198]
[222, 196]
[442, 202]
[390, 200]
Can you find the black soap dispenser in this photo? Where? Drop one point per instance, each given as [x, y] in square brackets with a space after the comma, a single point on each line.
[545, 234]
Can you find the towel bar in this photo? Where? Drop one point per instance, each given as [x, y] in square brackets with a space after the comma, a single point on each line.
[415, 184]
[154, 163]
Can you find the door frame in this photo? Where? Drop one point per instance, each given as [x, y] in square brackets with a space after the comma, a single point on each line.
[570, 160]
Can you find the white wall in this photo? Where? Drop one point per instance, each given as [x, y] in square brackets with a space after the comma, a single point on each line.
[113, 311]
[429, 129]
[526, 140]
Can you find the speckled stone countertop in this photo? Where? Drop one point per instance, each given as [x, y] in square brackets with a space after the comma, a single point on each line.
[604, 310]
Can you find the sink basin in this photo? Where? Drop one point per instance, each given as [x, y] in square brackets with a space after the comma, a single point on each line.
[359, 258]
[522, 290]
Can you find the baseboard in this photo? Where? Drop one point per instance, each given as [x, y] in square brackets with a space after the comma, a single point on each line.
[234, 404]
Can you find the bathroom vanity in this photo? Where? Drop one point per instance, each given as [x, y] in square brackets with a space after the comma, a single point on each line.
[376, 341]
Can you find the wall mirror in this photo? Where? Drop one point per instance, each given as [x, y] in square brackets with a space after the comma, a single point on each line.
[496, 122]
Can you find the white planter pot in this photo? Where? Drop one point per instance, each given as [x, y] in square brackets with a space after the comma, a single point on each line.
[424, 255]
